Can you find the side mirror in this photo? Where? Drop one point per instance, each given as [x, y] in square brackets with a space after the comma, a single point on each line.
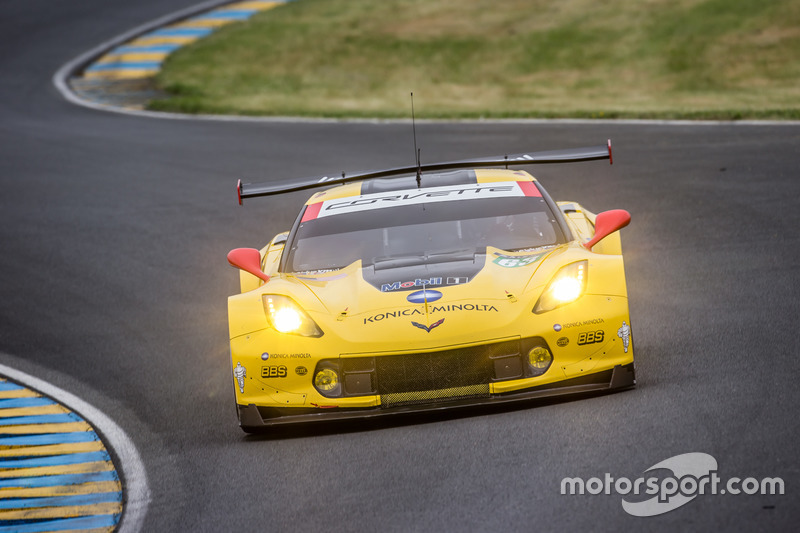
[607, 223]
[249, 260]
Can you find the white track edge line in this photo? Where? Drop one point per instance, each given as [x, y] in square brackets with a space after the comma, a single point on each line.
[136, 488]
[62, 75]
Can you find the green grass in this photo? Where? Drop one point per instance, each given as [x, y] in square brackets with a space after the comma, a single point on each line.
[693, 59]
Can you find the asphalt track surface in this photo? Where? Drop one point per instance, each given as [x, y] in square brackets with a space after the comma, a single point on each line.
[114, 231]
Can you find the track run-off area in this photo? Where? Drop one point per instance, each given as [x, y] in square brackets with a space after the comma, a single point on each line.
[115, 230]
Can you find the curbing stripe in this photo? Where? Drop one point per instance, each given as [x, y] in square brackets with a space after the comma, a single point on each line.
[77, 468]
[39, 419]
[61, 501]
[89, 522]
[26, 411]
[18, 393]
[134, 57]
[180, 32]
[207, 23]
[25, 402]
[227, 15]
[124, 65]
[65, 459]
[62, 512]
[52, 449]
[122, 74]
[87, 457]
[171, 36]
[180, 41]
[58, 480]
[85, 488]
[47, 428]
[144, 49]
[37, 440]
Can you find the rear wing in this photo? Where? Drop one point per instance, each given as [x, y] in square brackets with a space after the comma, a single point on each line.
[591, 153]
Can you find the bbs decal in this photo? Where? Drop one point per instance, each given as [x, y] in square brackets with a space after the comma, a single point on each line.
[273, 371]
[591, 337]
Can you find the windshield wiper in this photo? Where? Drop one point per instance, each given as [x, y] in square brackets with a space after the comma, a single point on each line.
[381, 263]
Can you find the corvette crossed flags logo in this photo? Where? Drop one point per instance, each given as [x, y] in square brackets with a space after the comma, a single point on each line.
[428, 328]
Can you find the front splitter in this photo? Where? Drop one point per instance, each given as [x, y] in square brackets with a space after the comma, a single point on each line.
[251, 418]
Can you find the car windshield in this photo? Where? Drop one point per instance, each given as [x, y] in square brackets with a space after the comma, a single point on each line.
[421, 233]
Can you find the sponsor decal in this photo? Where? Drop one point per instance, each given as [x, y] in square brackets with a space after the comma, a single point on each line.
[509, 261]
[240, 372]
[367, 202]
[420, 297]
[428, 328]
[584, 323]
[291, 356]
[624, 333]
[301, 370]
[591, 337]
[320, 275]
[399, 285]
[320, 271]
[324, 278]
[537, 249]
[273, 371]
[265, 356]
[481, 308]
[563, 341]
[557, 327]
[431, 282]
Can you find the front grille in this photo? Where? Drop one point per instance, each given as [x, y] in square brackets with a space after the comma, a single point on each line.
[439, 376]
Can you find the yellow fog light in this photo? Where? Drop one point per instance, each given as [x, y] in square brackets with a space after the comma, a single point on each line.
[326, 380]
[539, 359]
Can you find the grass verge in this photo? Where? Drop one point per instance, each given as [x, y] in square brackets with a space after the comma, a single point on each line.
[676, 59]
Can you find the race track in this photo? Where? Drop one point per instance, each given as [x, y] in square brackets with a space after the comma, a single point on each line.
[114, 231]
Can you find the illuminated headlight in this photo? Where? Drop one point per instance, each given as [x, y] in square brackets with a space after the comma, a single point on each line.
[286, 316]
[287, 320]
[567, 285]
[539, 360]
[326, 380]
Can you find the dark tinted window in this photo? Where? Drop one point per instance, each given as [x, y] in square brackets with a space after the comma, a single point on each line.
[423, 232]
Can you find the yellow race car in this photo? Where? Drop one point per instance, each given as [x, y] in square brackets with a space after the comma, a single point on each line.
[429, 287]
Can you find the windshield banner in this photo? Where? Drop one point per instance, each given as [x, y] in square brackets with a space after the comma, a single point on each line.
[427, 195]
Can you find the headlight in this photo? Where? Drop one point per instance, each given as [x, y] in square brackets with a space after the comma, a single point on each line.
[286, 316]
[567, 285]
[326, 380]
[539, 360]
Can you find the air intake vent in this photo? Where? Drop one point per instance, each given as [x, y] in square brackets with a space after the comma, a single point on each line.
[439, 376]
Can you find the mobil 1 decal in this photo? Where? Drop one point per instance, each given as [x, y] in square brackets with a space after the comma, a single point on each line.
[426, 276]
[421, 283]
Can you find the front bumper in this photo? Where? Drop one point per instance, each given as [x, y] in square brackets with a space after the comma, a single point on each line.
[253, 418]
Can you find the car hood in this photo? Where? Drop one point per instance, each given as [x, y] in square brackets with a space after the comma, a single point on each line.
[473, 295]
